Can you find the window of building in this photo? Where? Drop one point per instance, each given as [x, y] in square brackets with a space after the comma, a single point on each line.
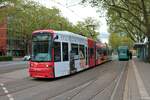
[65, 51]
[57, 51]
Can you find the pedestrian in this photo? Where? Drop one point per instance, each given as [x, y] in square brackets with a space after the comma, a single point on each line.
[130, 54]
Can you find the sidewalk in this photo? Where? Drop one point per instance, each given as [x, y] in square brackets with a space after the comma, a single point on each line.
[137, 83]
[18, 59]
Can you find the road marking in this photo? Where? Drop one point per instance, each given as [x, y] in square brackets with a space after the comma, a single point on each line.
[6, 91]
[117, 84]
[10, 97]
[143, 92]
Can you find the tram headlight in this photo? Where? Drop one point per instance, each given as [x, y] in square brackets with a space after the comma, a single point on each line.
[47, 65]
[31, 65]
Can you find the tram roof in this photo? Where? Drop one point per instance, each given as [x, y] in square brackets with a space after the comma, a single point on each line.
[139, 45]
[123, 47]
[70, 34]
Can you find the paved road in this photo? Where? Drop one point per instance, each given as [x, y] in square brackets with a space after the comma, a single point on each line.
[104, 82]
[10, 66]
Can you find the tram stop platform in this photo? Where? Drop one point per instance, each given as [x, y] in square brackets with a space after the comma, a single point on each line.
[142, 50]
[137, 86]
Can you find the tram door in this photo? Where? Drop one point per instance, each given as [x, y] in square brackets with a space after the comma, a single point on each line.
[61, 58]
[73, 57]
[72, 62]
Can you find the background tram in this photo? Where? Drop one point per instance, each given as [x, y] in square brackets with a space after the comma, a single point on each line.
[123, 53]
[60, 53]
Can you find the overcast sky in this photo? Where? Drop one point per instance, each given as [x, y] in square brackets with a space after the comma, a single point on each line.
[76, 12]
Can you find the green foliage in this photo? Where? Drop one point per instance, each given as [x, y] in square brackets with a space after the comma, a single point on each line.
[129, 16]
[6, 58]
[28, 16]
[116, 40]
[88, 27]
[6, 7]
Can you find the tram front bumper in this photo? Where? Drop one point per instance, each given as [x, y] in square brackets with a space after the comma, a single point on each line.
[41, 72]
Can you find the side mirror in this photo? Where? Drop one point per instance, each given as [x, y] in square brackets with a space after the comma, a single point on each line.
[56, 37]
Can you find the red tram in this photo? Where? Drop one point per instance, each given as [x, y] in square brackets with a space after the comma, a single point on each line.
[60, 53]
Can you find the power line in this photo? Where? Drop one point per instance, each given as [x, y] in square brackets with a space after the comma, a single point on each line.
[67, 7]
[79, 3]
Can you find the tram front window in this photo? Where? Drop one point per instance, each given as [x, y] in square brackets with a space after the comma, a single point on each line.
[41, 48]
[122, 52]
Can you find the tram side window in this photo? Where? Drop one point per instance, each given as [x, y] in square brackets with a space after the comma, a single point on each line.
[91, 50]
[74, 48]
[100, 51]
[81, 52]
[105, 52]
[97, 53]
[86, 50]
[57, 52]
[65, 51]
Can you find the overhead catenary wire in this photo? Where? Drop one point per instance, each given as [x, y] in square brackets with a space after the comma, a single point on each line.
[67, 7]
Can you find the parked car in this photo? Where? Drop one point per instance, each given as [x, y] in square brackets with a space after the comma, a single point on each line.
[27, 58]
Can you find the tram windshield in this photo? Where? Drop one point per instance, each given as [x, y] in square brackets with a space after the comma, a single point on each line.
[123, 50]
[41, 47]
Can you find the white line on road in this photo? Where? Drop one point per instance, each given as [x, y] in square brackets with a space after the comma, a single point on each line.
[10, 97]
[6, 91]
[143, 92]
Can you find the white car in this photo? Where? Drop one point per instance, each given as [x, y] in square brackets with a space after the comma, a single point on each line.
[27, 58]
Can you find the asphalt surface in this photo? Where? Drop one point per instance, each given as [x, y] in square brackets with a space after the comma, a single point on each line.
[10, 66]
[104, 82]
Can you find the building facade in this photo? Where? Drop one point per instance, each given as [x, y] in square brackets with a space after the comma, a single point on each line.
[10, 44]
[3, 37]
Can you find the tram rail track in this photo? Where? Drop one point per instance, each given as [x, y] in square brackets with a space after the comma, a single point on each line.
[103, 69]
[42, 80]
[114, 80]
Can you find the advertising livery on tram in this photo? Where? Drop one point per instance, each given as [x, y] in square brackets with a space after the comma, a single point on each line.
[60, 53]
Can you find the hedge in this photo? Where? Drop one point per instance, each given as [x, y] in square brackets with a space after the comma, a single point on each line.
[6, 58]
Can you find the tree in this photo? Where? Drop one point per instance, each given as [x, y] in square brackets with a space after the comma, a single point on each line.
[88, 27]
[29, 16]
[115, 40]
[130, 16]
[6, 7]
